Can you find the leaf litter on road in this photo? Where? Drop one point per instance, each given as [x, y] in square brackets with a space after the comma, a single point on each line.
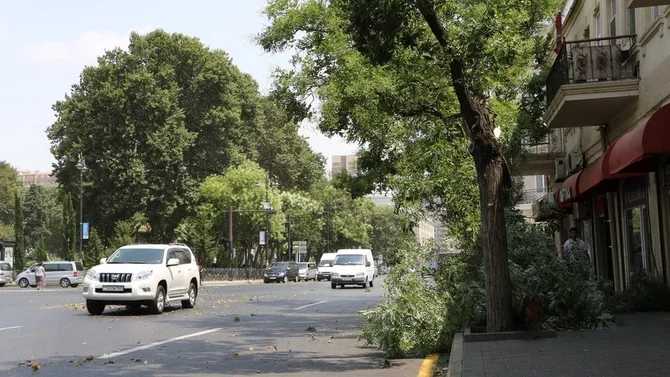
[310, 329]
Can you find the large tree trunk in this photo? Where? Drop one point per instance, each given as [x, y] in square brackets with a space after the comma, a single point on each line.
[490, 177]
[492, 174]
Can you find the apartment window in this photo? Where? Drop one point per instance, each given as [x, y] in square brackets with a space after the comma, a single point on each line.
[539, 182]
[631, 21]
[599, 31]
[655, 13]
[613, 19]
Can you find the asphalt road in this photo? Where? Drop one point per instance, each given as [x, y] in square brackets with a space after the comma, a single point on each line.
[296, 329]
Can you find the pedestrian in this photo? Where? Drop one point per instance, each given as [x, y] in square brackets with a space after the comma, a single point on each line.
[576, 253]
[40, 275]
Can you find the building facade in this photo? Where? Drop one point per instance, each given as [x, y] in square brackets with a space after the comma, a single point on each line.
[42, 178]
[347, 163]
[608, 110]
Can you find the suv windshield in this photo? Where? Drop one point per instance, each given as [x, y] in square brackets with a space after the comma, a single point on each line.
[278, 266]
[136, 256]
[342, 260]
[325, 263]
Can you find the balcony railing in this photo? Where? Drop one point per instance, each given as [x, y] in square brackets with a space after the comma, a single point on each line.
[531, 195]
[548, 144]
[592, 60]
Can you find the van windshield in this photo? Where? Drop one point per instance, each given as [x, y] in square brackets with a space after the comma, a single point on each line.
[325, 263]
[302, 266]
[136, 256]
[278, 266]
[349, 260]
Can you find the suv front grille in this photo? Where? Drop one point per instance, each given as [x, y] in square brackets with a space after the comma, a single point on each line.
[115, 278]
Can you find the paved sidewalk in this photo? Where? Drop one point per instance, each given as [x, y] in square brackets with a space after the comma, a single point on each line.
[639, 346]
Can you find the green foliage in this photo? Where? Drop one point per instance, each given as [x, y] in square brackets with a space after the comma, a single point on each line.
[644, 293]
[41, 253]
[124, 234]
[198, 232]
[94, 249]
[35, 207]
[153, 121]
[20, 247]
[9, 184]
[68, 246]
[389, 234]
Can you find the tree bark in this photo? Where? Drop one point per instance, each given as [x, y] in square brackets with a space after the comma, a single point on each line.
[492, 175]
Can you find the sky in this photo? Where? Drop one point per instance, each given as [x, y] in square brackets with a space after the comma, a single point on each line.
[45, 44]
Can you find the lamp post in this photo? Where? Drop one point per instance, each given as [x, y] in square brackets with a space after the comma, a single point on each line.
[81, 166]
[267, 208]
[288, 236]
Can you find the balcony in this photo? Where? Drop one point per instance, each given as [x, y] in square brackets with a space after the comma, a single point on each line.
[532, 195]
[591, 81]
[540, 156]
[647, 3]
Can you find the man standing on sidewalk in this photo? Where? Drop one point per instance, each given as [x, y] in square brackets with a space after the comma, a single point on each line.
[576, 254]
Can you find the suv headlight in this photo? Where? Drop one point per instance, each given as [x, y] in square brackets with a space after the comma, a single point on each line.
[92, 274]
[335, 274]
[281, 274]
[144, 275]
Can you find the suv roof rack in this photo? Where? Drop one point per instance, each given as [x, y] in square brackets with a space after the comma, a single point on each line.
[177, 244]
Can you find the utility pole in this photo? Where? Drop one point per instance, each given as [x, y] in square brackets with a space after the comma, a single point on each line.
[288, 236]
[267, 220]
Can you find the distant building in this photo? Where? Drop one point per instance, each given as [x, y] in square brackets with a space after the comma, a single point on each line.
[381, 200]
[41, 178]
[344, 162]
[534, 188]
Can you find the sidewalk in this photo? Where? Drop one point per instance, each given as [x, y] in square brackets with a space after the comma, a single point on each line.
[638, 346]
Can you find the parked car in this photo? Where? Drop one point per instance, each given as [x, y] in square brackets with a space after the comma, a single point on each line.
[325, 266]
[63, 273]
[353, 266]
[146, 274]
[5, 273]
[282, 272]
[307, 271]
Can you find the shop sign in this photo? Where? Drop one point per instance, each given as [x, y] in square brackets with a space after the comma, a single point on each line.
[635, 193]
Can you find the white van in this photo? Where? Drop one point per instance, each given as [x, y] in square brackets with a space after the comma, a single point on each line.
[325, 266]
[353, 266]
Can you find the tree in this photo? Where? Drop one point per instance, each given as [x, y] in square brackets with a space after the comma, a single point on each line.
[124, 234]
[9, 184]
[94, 249]
[35, 208]
[388, 233]
[198, 231]
[41, 253]
[68, 246]
[152, 122]
[20, 247]
[384, 70]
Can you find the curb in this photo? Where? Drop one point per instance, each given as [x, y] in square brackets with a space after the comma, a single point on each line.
[428, 366]
[223, 283]
[455, 368]
[469, 336]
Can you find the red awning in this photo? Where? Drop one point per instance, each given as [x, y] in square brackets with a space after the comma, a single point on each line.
[596, 176]
[633, 151]
[568, 191]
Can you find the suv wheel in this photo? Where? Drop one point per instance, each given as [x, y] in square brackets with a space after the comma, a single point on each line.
[297, 278]
[64, 282]
[192, 295]
[95, 307]
[24, 283]
[371, 283]
[158, 304]
[333, 285]
[285, 279]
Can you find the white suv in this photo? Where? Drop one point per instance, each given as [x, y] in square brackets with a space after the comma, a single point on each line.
[137, 275]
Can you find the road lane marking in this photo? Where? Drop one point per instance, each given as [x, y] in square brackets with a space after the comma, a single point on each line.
[146, 346]
[10, 328]
[428, 366]
[308, 305]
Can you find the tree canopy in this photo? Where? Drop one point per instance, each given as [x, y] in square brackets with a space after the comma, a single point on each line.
[153, 121]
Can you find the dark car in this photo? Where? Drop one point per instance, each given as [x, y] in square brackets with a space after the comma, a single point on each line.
[282, 272]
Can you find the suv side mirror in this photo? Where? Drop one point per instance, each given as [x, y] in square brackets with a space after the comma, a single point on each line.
[330, 265]
[172, 262]
[368, 264]
[103, 260]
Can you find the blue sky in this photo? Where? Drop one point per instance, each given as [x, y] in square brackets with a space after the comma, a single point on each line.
[45, 44]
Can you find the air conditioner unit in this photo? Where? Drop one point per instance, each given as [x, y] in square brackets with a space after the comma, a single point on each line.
[560, 169]
[574, 161]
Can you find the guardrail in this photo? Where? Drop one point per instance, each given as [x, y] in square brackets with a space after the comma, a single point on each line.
[213, 273]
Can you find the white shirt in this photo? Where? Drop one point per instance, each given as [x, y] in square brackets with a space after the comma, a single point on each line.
[570, 243]
[39, 271]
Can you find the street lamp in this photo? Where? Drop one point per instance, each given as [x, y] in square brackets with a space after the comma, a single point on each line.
[81, 166]
[267, 207]
[288, 235]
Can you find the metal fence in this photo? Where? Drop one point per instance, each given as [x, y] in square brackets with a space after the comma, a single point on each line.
[531, 195]
[592, 60]
[212, 273]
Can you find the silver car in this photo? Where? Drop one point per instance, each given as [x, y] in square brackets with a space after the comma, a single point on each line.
[63, 273]
[5, 273]
[307, 271]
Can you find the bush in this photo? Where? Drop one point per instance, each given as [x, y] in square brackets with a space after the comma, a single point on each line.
[644, 293]
[416, 318]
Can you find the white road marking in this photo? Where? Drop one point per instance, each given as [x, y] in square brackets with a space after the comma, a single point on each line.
[10, 328]
[307, 306]
[146, 346]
